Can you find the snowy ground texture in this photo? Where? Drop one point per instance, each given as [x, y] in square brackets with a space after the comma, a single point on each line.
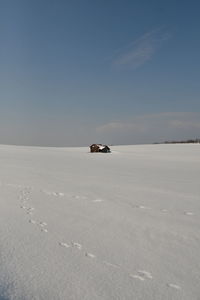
[82, 226]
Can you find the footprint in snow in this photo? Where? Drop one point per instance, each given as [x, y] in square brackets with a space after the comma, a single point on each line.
[137, 277]
[188, 213]
[44, 230]
[30, 210]
[89, 255]
[56, 194]
[24, 207]
[79, 197]
[142, 207]
[111, 265]
[142, 275]
[64, 245]
[42, 224]
[174, 286]
[77, 245]
[97, 200]
[32, 221]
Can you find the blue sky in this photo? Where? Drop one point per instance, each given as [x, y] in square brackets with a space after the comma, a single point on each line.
[117, 72]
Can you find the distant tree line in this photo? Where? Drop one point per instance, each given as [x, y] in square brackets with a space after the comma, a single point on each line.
[192, 141]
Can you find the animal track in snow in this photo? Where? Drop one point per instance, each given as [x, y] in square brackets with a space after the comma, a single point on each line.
[64, 245]
[32, 221]
[42, 224]
[78, 197]
[60, 194]
[137, 277]
[30, 210]
[145, 274]
[174, 286]
[164, 210]
[97, 200]
[142, 207]
[24, 207]
[77, 245]
[110, 264]
[56, 194]
[142, 275]
[90, 255]
[188, 213]
[24, 197]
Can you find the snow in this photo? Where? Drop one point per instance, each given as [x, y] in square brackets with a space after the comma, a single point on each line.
[123, 225]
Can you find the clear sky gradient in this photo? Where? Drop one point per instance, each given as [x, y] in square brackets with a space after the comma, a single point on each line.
[118, 72]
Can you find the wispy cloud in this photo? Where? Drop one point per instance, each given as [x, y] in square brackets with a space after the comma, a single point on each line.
[121, 127]
[141, 50]
[179, 124]
[145, 123]
[152, 127]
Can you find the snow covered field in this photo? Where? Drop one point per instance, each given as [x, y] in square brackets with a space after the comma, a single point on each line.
[82, 226]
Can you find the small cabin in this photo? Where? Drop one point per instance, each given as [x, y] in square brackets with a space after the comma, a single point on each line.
[99, 148]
